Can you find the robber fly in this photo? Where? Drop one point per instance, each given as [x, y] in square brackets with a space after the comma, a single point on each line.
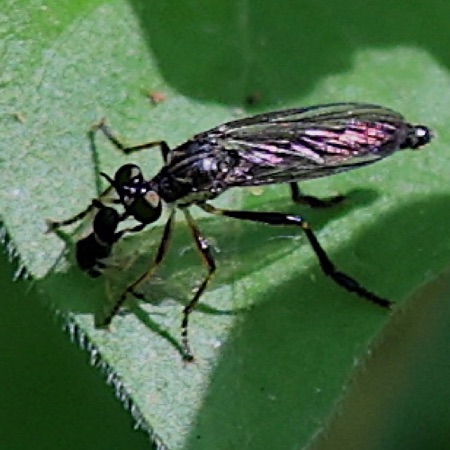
[277, 147]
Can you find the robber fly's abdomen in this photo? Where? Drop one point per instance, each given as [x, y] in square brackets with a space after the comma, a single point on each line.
[319, 151]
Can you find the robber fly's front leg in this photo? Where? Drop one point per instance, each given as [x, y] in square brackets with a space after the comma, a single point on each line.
[163, 146]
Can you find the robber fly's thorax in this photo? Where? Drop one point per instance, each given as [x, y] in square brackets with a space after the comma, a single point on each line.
[195, 172]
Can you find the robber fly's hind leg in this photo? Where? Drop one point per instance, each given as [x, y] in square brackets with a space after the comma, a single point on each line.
[163, 146]
[313, 202]
[328, 268]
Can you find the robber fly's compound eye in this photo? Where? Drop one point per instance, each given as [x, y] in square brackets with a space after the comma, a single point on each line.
[147, 209]
[128, 175]
[129, 182]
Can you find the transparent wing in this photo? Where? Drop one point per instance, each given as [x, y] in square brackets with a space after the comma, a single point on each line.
[308, 143]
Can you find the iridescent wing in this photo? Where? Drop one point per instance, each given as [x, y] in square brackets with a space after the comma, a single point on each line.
[299, 144]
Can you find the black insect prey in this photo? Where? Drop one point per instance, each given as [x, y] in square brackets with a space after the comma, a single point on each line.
[92, 251]
[277, 147]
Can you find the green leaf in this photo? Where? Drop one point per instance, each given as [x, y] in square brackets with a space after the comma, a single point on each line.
[400, 399]
[275, 341]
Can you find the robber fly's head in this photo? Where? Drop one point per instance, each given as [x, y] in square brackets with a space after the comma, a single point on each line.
[136, 194]
[417, 136]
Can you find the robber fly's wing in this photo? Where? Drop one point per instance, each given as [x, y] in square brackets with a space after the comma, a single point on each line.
[308, 143]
